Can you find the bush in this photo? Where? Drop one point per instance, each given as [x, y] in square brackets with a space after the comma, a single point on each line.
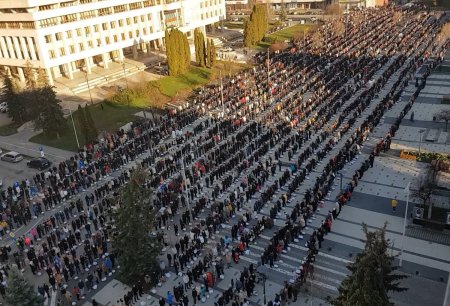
[427, 157]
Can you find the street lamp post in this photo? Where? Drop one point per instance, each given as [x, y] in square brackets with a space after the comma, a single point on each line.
[74, 129]
[420, 141]
[404, 224]
[184, 178]
[221, 95]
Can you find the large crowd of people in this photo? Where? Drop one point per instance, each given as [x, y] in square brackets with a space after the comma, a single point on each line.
[293, 117]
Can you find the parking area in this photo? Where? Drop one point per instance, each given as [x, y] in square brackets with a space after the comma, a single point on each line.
[15, 172]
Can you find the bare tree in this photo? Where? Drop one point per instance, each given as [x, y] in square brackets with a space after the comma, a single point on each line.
[317, 39]
[278, 46]
[444, 34]
[333, 9]
[339, 27]
[443, 115]
[397, 17]
[426, 187]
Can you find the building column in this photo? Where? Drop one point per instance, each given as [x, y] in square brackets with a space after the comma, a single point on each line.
[105, 58]
[74, 66]
[161, 44]
[88, 65]
[69, 71]
[120, 55]
[149, 48]
[20, 73]
[135, 52]
[8, 71]
[48, 72]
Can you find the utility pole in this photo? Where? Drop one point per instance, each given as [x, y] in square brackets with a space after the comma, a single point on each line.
[268, 75]
[221, 95]
[184, 179]
[404, 224]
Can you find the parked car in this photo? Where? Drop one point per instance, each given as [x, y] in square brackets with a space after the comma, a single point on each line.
[40, 163]
[12, 157]
[3, 107]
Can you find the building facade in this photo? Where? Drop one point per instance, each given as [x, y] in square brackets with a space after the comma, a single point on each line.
[64, 36]
[233, 5]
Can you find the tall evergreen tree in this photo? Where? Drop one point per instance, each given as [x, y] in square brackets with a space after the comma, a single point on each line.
[212, 53]
[48, 114]
[30, 77]
[17, 108]
[208, 53]
[82, 121]
[134, 217]
[91, 128]
[178, 52]
[256, 26]
[249, 36]
[19, 291]
[170, 53]
[42, 79]
[371, 276]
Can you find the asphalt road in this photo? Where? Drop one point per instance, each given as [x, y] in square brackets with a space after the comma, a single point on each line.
[15, 172]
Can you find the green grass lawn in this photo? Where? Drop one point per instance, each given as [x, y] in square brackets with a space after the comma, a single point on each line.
[111, 117]
[9, 129]
[288, 33]
[171, 85]
[282, 35]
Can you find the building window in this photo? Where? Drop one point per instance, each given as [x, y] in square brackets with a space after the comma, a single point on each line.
[62, 51]
[128, 21]
[69, 34]
[147, 3]
[95, 28]
[135, 19]
[104, 26]
[90, 44]
[116, 39]
[107, 40]
[51, 53]
[105, 11]
[120, 8]
[144, 30]
[112, 24]
[78, 32]
[142, 18]
[72, 49]
[81, 46]
[87, 30]
[135, 5]
[87, 14]
[48, 39]
[120, 23]
[130, 34]
[123, 36]
[58, 36]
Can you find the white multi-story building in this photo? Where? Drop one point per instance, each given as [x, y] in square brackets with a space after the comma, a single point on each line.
[63, 36]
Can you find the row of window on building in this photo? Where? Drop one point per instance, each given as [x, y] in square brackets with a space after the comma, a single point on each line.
[18, 47]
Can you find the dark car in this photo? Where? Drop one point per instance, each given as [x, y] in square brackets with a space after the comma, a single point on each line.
[39, 163]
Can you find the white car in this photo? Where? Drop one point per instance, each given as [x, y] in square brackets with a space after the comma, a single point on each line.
[12, 157]
[3, 107]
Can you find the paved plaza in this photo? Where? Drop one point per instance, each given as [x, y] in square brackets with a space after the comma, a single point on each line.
[426, 257]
